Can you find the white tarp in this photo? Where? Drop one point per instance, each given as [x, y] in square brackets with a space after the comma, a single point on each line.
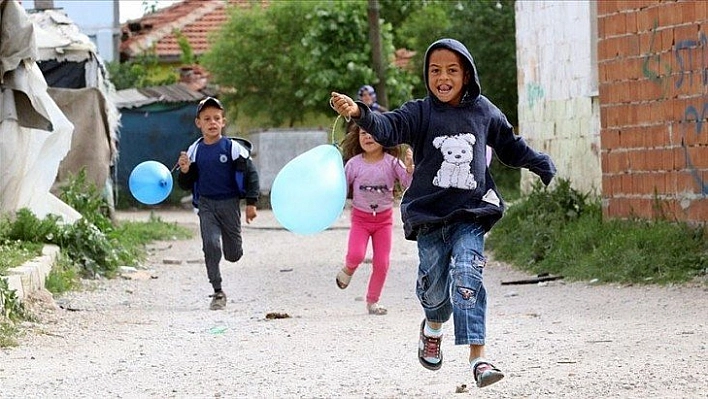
[34, 134]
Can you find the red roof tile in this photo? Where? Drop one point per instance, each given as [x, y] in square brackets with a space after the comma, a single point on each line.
[195, 19]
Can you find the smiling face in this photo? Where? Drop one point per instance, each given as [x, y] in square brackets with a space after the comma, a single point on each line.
[447, 76]
[211, 122]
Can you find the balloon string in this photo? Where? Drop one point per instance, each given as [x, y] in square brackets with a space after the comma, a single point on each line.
[334, 126]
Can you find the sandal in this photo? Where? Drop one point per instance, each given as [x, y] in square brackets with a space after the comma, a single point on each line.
[343, 279]
[376, 309]
[429, 347]
[486, 373]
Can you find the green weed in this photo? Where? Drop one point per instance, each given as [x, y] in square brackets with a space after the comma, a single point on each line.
[8, 332]
[561, 231]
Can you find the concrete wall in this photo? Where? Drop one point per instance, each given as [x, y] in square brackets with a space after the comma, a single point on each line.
[653, 68]
[558, 89]
[273, 149]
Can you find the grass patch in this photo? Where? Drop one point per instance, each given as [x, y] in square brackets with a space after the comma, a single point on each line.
[90, 247]
[8, 333]
[15, 253]
[561, 231]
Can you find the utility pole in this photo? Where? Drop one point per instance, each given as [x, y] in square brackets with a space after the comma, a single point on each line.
[375, 40]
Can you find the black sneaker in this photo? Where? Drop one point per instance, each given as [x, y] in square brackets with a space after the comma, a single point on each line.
[218, 300]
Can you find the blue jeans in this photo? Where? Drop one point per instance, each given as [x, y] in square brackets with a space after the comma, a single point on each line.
[450, 278]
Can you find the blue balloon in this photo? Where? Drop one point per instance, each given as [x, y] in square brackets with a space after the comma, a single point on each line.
[150, 182]
[309, 193]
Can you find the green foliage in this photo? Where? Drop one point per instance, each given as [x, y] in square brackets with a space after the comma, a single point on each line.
[86, 199]
[10, 306]
[86, 250]
[187, 55]
[487, 28]
[561, 231]
[63, 277]
[27, 227]
[90, 248]
[133, 236]
[144, 71]
[15, 252]
[286, 70]
[8, 331]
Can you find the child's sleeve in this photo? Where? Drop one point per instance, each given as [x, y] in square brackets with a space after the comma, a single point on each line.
[512, 150]
[253, 188]
[186, 180]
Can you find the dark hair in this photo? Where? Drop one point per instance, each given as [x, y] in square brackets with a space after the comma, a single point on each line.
[350, 144]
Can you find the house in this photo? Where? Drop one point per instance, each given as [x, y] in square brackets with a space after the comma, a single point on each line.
[156, 32]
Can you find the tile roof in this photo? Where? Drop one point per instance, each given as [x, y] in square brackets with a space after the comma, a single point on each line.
[195, 19]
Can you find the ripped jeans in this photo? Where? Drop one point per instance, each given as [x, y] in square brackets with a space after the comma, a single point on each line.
[450, 278]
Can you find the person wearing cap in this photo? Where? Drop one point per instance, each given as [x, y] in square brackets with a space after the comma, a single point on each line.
[367, 95]
[219, 172]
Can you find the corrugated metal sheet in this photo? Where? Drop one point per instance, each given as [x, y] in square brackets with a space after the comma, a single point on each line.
[130, 98]
[169, 94]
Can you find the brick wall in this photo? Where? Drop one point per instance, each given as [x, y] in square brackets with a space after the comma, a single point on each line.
[652, 59]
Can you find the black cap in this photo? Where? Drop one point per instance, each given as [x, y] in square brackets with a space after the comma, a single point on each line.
[209, 101]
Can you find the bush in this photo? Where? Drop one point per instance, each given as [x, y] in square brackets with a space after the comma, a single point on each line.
[561, 231]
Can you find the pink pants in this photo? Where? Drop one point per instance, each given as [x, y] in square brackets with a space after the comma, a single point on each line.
[379, 228]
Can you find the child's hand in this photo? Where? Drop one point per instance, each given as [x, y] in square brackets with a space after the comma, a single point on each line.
[250, 213]
[183, 162]
[344, 105]
[408, 160]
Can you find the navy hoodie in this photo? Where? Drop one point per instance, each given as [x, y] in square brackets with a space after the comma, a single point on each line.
[451, 181]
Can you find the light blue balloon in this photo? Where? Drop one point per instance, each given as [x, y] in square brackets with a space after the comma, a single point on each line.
[150, 182]
[309, 192]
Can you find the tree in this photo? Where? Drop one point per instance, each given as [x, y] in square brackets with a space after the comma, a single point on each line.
[487, 28]
[283, 70]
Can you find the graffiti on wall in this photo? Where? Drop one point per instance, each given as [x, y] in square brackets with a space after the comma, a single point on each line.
[534, 94]
[685, 52]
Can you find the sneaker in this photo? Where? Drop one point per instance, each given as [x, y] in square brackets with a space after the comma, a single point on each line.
[486, 373]
[218, 300]
[429, 348]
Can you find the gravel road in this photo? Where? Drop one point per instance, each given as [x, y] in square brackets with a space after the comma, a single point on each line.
[289, 332]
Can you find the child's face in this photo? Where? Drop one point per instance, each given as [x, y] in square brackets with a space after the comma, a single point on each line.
[447, 77]
[211, 122]
[367, 142]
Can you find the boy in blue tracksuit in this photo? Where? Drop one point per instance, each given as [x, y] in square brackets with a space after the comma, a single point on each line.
[219, 172]
[452, 200]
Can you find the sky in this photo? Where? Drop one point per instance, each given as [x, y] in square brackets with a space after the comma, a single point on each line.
[132, 9]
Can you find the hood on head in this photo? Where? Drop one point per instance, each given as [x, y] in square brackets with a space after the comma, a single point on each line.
[473, 88]
[368, 89]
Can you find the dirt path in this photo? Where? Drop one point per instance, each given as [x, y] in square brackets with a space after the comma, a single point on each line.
[156, 338]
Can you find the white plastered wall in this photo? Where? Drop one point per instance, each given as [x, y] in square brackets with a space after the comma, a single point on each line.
[559, 112]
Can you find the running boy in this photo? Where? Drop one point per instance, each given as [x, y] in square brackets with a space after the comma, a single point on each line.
[219, 172]
[452, 200]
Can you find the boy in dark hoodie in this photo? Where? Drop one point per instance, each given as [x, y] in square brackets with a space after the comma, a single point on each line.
[452, 201]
